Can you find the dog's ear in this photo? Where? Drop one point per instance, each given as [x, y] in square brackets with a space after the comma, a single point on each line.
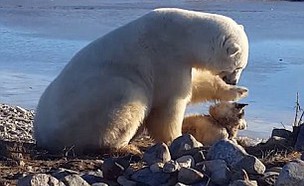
[240, 105]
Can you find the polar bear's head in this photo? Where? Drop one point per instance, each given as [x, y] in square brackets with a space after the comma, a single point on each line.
[232, 55]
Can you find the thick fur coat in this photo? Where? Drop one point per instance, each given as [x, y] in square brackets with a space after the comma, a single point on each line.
[138, 75]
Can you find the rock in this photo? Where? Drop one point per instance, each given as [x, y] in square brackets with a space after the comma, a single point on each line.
[283, 133]
[244, 183]
[186, 161]
[114, 167]
[226, 150]
[299, 146]
[269, 178]
[291, 174]
[218, 171]
[146, 176]
[74, 180]
[61, 173]
[92, 176]
[250, 164]
[183, 143]
[157, 167]
[189, 176]
[171, 166]
[99, 184]
[157, 153]
[199, 156]
[122, 180]
[38, 180]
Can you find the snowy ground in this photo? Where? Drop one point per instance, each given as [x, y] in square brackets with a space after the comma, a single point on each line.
[38, 38]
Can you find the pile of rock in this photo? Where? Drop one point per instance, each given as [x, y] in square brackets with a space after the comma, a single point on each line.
[16, 123]
[185, 162]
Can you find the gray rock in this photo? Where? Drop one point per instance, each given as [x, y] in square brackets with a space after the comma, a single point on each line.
[186, 161]
[114, 167]
[38, 180]
[180, 184]
[226, 150]
[92, 176]
[268, 178]
[62, 172]
[99, 184]
[157, 153]
[122, 180]
[171, 166]
[157, 167]
[250, 164]
[74, 180]
[283, 133]
[183, 143]
[199, 156]
[189, 176]
[218, 171]
[299, 146]
[291, 174]
[146, 176]
[244, 183]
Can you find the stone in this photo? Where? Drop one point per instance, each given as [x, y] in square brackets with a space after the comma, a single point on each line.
[74, 180]
[218, 171]
[250, 164]
[171, 166]
[183, 143]
[244, 183]
[157, 153]
[99, 184]
[92, 176]
[157, 167]
[186, 161]
[226, 150]
[291, 174]
[283, 133]
[189, 176]
[299, 146]
[199, 156]
[62, 172]
[146, 176]
[114, 167]
[122, 180]
[38, 180]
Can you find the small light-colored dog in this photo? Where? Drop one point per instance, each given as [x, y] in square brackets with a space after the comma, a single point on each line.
[224, 121]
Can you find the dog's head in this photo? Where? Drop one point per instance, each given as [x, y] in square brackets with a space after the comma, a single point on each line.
[229, 114]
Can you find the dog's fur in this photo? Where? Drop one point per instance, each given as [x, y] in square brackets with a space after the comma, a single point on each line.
[224, 121]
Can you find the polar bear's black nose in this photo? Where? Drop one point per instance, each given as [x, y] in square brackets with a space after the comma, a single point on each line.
[229, 81]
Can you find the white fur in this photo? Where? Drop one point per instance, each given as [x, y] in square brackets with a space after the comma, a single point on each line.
[138, 74]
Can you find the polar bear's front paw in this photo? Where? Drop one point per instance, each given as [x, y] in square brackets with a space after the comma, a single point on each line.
[238, 93]
[234, 93]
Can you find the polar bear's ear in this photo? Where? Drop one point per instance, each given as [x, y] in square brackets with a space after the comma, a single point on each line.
[232, 49]
[242, 27]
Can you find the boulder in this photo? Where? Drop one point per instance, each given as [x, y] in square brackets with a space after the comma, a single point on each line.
[226, 150]
[291, 174]
[183, 143]
[157, 153]
[189, 176]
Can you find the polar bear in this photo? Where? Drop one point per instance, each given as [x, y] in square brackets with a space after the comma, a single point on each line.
[137, 75]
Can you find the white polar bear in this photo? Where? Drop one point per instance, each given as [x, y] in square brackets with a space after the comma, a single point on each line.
[137, 75]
